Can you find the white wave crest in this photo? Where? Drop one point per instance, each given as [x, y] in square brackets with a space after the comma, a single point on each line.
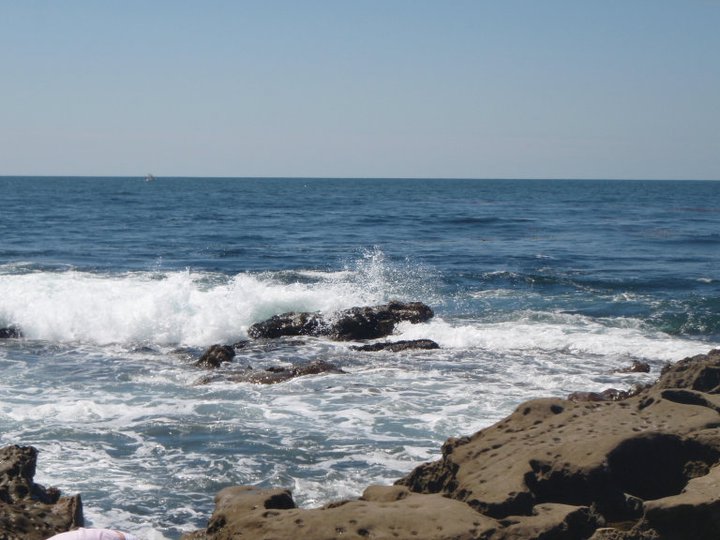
[573, 334]
[176, 308]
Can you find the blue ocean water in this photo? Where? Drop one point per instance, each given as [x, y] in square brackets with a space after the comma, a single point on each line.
[539, 288]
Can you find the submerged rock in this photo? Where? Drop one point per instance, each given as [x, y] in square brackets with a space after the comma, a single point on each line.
[352, 324]
[643, 467]
[28, 511]
[216, 355]
[398, 346]
[272, 375]
[276, 375]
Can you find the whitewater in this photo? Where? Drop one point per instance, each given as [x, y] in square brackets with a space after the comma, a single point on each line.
[540, 288]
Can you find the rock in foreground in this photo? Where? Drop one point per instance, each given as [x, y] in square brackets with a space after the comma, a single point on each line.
[638, 468]
[28, 511]
[352, 324]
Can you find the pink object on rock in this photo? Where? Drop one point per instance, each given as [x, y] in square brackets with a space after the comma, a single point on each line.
[93, 534]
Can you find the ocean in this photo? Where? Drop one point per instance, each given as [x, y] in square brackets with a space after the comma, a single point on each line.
[539, 287]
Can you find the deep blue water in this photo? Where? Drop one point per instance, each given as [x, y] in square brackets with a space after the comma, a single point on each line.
[539, 288]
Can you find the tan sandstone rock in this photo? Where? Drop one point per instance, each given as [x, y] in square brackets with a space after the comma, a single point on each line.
[645, 467]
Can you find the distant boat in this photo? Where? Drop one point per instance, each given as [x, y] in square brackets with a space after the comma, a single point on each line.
[149, 178]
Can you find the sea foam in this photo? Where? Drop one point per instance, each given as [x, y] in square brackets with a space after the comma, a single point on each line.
[186, 308]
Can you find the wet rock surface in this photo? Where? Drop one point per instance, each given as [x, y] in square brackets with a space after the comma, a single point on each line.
[216, 355]
[10, 332]
[399, 346]
[357, 323]
[28, 511]
[230, 363]
[640, 467]
[636, 367]
[274, 375]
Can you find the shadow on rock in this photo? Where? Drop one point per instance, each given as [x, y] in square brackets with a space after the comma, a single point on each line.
[28, 511]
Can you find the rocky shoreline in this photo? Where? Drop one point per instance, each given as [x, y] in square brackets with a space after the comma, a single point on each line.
[617, 465]
[641, 467]
[28, 511]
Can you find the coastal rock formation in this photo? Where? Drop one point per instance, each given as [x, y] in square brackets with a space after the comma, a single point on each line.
[611, 394]
[29, 511]
[647, 466]
[382, 512]
[274, 375]
[216, 355]
[352, 324]
[398, 346]
[10, 332]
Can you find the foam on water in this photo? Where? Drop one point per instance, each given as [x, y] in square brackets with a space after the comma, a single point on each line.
[558, 332]
[100, 387]
[186, 308]
[139, 439]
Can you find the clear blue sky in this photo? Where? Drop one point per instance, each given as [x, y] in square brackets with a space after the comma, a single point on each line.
[364, 88]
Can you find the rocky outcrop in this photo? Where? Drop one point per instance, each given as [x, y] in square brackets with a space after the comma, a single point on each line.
[10, 332]
[382, 512]
[625, 458]
[399, 346]
[29, 511]
[215, 356]
[352, 324]
[273, 375]
[276, 375]
[611, 394]
[358, 323]
[646, 466]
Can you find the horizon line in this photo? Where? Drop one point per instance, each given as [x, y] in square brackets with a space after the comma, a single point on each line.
[469, 178]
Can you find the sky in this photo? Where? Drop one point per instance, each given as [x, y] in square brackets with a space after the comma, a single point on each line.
[361, 88]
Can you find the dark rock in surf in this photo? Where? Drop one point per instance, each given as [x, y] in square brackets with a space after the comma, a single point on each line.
[636, 367]
[28, 511]
[398, 346]
[276, 375]
[10, 332]
[288, 324]
[377, 321]
[216, 355]
[354, 324]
